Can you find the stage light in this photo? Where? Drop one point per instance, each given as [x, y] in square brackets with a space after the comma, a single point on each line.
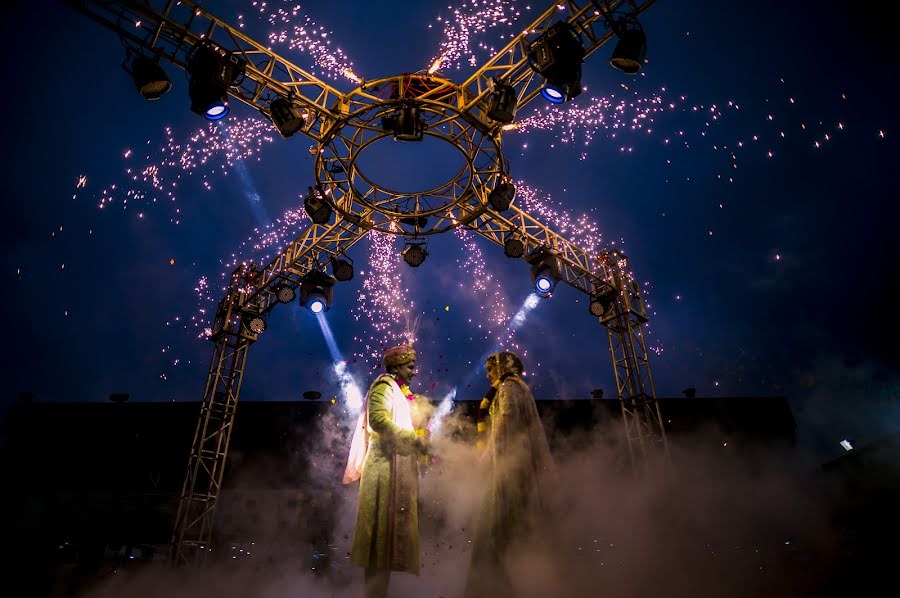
[543, 284]
[316, 291]
[212, 70]
[342, 269]
[257, 325]
[502, 106]
[553, 94]
[557, 55]
[253, 318]
[415, 253]
[286, 117]
[514, 245]
[409, 125]
[389, 122]
[149, 78]
[316, 304]
[501, 196]
[631, 49]
[316, 206]
[602, 300]
[545, 271]
[285, 293]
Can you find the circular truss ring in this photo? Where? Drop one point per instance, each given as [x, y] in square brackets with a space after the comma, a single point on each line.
[359, 198]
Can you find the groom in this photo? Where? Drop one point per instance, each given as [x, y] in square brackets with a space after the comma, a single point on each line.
[384, 458]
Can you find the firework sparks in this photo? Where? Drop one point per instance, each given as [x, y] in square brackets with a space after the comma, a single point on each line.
[383, 307]
[212, 150]
[300, 32]
[582, 230]
[468, 21]
[633, 113]
[384, 302]
[482, 285]
[611, 115]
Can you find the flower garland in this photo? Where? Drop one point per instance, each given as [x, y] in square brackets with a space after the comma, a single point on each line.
[404, 388]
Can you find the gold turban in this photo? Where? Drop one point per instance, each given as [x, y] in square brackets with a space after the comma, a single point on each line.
[399, 355]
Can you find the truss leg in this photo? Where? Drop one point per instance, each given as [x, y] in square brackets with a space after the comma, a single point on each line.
[644, 429]
[192, 537]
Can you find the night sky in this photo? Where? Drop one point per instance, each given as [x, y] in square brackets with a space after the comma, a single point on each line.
[768, 259]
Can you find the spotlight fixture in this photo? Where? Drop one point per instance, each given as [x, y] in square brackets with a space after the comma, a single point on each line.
[389, 122]
[557, 55]
[502, 106]
[253, 318]
[631, 49]
[501, 196]
[514, 245]
[409, 125]
[213, 70]
[415, 253]
[316, 206]
[602, 300]
[545, 272]
[286, 117]
[316, 292]
[257, 325]
[342, 268]
[149, 78]
[317, 305]
[285, 293]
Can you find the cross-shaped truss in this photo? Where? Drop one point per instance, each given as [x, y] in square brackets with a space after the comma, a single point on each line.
[344, 125]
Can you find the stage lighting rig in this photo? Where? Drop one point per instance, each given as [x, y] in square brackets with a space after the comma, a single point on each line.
[415, 253]
[631, 49]
[149, 78]
[342, 268]
[285, 293]
[212, 70]
[502, 106]
[286, 117]
[545, 271]
[256, 324]
[557, 55]
[409, 125]
[602, 300]
[254, 319]
[501, 196]
[317, 206]
[514, 244]
[543, 59]
[316, 291]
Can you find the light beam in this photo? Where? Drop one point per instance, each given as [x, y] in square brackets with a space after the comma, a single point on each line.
[349, 388]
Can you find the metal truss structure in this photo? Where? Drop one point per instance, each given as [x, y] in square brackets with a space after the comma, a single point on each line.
[345, 125]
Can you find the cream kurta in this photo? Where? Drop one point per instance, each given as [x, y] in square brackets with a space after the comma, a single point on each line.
[387, 520]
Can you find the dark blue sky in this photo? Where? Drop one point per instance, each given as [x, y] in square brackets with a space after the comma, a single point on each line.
[792, 293]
